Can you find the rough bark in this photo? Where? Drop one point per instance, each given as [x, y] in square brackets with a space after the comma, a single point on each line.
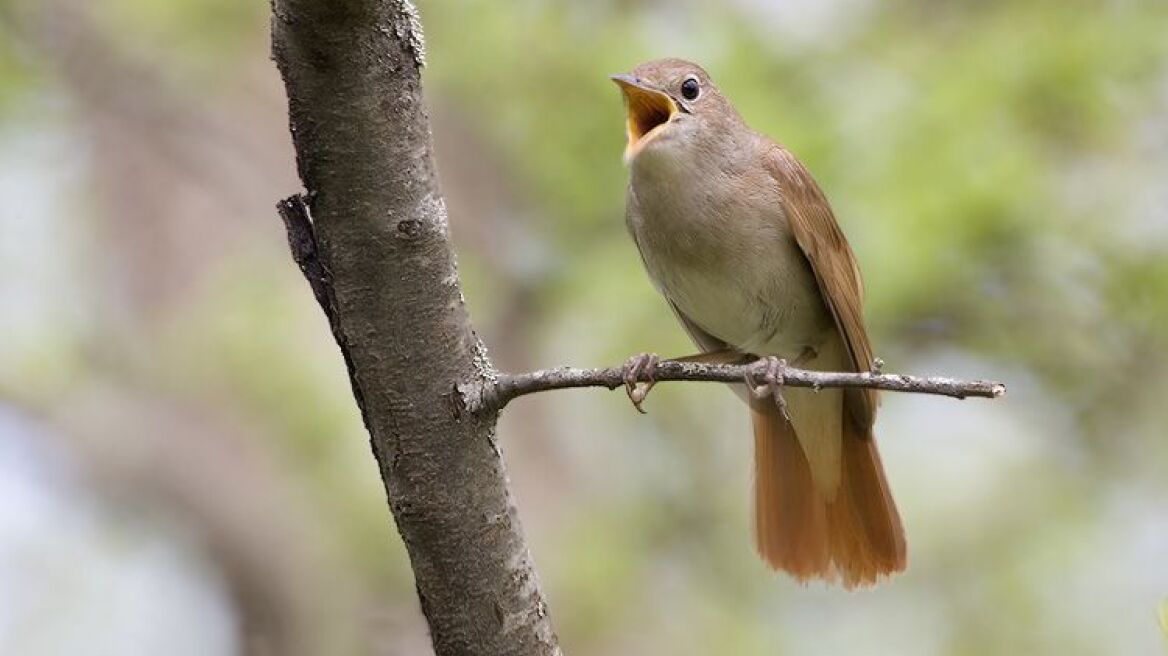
[373, 243]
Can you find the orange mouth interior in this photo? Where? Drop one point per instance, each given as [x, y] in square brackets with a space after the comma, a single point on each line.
[648, 110]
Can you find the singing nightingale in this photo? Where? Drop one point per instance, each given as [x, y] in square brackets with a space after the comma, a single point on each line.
[741, 241]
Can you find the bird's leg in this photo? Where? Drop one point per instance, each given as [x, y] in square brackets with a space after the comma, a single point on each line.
[639, 370]
[771, 370]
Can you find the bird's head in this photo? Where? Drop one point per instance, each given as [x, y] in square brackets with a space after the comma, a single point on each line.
[672, 105]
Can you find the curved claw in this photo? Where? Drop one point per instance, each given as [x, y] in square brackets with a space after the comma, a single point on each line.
[772, 382]
[637, 367]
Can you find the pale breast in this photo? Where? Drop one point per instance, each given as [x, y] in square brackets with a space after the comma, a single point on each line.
[727, 260]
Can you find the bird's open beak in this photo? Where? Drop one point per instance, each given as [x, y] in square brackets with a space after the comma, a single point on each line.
[648, 109]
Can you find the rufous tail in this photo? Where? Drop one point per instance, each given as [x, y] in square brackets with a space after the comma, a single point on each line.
[856, 538]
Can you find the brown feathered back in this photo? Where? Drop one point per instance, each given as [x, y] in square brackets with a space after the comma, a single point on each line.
[831, 258]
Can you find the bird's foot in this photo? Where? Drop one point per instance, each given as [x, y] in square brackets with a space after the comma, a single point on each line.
[770, 370]
[636, 368]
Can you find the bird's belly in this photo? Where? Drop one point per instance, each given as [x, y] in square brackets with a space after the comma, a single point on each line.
[771, 307]
[728, 261]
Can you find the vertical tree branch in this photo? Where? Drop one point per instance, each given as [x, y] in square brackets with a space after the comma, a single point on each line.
[374, 246]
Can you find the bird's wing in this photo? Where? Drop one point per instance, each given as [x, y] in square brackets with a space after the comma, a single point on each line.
[831, 258]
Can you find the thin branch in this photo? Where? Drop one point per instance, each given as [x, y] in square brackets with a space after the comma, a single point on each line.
[493, 395]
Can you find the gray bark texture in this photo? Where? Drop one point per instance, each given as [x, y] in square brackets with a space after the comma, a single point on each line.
[371, 237]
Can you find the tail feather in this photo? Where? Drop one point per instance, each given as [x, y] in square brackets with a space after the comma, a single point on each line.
[866, 533]
[856, 537]
[790, 517]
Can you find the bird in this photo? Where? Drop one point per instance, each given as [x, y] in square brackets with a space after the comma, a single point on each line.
[741, 241]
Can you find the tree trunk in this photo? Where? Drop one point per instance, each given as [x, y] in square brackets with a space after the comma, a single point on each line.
[379, 259]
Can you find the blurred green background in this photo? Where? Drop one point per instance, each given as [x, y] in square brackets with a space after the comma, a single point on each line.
[183, 471]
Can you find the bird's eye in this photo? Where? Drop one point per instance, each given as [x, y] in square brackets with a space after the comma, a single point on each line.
[690, 88]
